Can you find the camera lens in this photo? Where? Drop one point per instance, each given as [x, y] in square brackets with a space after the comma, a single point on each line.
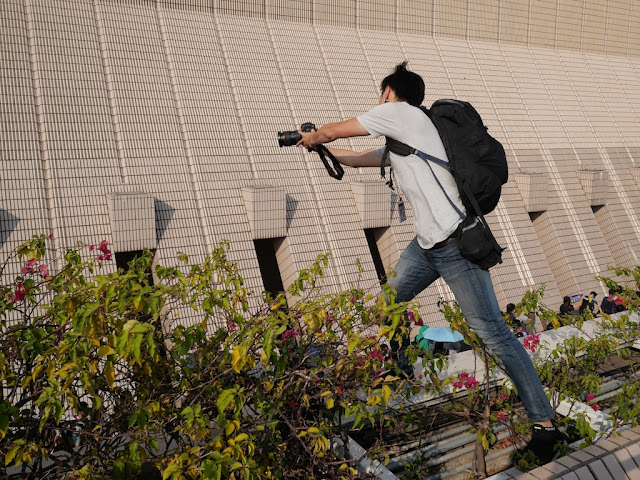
[287, 139]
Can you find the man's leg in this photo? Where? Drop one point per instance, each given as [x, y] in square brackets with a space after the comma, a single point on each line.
[414, 273]
[474, 293]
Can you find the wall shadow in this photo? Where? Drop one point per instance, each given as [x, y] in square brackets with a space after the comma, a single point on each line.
[164, 214]
[8, 223]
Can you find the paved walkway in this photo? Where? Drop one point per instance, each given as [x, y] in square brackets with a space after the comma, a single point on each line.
[617, 458]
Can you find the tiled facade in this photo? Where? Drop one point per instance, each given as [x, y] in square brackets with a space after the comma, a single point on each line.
[180, 102]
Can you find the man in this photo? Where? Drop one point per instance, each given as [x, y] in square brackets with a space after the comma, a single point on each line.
[588, 303]
[519, 329]
[530, 323]
[511, 316]
[608, 304]
[567, 309]
[433, 253]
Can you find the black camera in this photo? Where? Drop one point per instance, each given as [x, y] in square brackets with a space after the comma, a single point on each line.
[288, 139]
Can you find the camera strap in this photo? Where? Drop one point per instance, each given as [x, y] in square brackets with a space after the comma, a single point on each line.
[337, 171]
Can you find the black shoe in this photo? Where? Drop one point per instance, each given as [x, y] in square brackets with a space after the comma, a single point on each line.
[547, 443]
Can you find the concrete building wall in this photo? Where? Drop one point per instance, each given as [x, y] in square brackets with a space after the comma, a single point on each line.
[181, 101]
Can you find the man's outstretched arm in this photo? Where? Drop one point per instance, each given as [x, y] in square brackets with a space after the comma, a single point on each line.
[346, 129]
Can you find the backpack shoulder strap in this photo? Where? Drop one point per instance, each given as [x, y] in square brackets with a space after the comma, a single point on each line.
[404, 150]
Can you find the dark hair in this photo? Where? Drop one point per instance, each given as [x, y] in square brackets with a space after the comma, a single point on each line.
[511, 307]
[408, 86]
[566, 300]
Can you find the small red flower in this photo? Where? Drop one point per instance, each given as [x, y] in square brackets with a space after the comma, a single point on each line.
[377, 354]
[501, 416]
[339, 390]
[18, 295]
[590, 397]
[471, 382]
[531, 342]
[596, 407]
[44, 270]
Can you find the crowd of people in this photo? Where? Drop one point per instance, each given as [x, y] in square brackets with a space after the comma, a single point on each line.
[585, 305]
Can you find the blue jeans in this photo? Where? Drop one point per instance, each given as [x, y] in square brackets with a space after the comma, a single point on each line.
[418, 268]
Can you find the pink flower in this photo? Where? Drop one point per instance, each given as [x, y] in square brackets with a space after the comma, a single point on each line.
[458, 384]
[503, 396]
[339, 390]
[50, 235]
[501, 416]
[290, 334]
[596, 407]
[377, 354]
[471, 382]
[103, 248]
[44, 270]
[590, 397]
[231, 327]
[531, 342]
[18, 295]
[411, 315]
[29, 266]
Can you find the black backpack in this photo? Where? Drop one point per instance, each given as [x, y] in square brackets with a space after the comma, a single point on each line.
[476, 160]
[479, 166]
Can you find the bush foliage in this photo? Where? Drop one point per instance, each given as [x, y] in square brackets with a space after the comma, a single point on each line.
[101, 380]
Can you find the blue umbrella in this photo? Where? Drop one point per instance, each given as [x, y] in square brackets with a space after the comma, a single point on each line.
[442, 334]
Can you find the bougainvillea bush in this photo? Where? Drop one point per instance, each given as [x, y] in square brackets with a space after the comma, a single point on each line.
[101, 380]
[95, 384]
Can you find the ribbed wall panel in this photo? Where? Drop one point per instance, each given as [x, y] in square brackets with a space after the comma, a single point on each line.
[149, 138]
[182, 101]
[316, 101]
[24, 194]
[79, 160]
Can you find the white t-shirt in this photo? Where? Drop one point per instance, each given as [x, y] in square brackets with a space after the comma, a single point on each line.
[434, 217]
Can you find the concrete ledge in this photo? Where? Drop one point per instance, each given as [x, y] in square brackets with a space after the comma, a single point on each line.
[615, 458]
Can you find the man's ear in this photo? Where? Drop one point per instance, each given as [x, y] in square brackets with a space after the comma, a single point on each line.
[385, 94]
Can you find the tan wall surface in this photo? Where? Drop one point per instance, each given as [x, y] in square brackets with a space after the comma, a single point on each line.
[182, 100]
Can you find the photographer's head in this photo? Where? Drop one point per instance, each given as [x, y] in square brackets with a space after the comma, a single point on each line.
[403, 86]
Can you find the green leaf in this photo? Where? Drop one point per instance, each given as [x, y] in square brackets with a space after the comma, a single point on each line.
[105, 350]
[132, 419]
[11, 454]
[225, 398]
[172, 468]
[4, 425]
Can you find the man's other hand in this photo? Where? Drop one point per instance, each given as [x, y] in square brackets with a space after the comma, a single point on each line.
[307, 139]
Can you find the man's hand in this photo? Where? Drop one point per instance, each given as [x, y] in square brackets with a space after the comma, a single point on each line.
[308, 139]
